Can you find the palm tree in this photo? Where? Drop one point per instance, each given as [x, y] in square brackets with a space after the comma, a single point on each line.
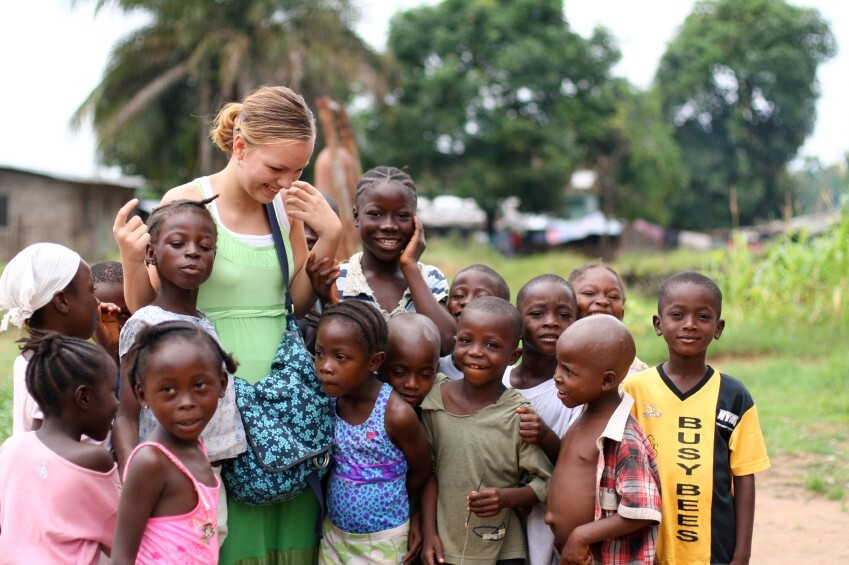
[166, 79]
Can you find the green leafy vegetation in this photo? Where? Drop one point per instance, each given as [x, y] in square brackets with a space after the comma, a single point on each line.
[739, 116]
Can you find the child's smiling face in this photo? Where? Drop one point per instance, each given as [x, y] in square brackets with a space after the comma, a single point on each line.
[467, 286]
[485, 346]
[576, 377]
[547, 308]
[689, 319]
[385, 217]
[599, 291]
[182, 383]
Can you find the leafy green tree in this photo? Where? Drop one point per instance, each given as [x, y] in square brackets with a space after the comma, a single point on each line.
[643, 162]
[739, 83]
[166, 79]
[495, 98]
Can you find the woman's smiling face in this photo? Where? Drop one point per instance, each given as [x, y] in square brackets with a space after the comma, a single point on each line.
[267, 169]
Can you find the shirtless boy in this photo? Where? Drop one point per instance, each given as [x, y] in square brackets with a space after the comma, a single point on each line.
[612, 519]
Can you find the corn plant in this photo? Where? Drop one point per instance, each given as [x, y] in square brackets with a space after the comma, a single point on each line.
[800, 275]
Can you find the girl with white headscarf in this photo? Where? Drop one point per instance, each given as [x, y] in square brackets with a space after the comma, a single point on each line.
[44, 287]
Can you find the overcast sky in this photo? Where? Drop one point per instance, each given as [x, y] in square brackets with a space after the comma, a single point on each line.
[53, 56]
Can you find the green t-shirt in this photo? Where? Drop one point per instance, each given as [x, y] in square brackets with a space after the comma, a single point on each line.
[484, 445]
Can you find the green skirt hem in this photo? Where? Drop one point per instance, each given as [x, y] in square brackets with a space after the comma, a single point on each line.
[307, 556]
[277, 534]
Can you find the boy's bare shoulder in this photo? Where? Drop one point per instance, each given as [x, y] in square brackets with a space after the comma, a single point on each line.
[188, 191]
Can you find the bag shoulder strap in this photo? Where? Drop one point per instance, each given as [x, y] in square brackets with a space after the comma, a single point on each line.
[280, 246]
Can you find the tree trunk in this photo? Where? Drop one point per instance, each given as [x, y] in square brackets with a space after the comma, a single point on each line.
[204, 164]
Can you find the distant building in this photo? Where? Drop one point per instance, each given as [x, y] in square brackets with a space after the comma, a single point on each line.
[74, 212]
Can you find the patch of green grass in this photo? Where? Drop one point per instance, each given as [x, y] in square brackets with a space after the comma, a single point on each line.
[8, 351]
[826, 485]
[803, 405]
[817, 484]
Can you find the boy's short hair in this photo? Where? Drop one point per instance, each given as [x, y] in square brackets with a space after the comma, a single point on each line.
[107, 272]
[608, 337]
[419, 323]
[546, 278]
[669, 285]
[502, 289]
[499, 307]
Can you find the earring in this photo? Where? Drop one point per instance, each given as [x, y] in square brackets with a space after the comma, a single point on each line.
[239, 164]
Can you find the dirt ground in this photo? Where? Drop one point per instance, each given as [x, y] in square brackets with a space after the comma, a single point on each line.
[791, 524]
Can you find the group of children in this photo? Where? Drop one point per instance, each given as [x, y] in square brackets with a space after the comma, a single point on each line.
[466, 429]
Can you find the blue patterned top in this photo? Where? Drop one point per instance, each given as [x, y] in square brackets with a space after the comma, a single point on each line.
[352, 283]
[367, 492]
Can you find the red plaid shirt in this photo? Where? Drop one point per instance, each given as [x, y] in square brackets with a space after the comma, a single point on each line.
[627, 483]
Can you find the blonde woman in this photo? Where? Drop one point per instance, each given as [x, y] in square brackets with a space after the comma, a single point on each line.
[269, 138]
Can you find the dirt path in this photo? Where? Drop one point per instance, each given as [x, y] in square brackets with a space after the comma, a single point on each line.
[791, 524]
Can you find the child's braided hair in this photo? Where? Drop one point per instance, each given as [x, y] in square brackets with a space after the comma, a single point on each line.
[383, 174]
[58, 363]
[157, 217]
[374, 332]
[150, 337]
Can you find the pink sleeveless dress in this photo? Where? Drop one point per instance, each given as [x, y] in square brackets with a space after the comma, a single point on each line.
[187, 539]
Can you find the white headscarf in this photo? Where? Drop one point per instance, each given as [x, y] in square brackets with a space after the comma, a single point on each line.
[31, 279]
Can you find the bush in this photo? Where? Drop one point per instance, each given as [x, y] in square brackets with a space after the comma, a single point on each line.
[802, 276]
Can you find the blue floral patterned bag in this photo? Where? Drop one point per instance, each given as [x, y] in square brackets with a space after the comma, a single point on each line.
[288, 421]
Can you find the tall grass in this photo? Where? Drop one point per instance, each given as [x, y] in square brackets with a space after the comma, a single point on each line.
[802, 276]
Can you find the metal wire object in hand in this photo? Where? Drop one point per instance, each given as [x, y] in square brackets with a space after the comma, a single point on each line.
[468, 518]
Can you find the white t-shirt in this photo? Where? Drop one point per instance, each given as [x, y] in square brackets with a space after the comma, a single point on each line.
[449, 369]
[558, 417]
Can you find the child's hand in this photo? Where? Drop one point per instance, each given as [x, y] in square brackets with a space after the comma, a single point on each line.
[108, 328]
[432, 550]
[306, 203]
[131, 235]
[415, 247]
[414, 539]
[485, 503]
[323, 274]
[531, 427]
[575, 553]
